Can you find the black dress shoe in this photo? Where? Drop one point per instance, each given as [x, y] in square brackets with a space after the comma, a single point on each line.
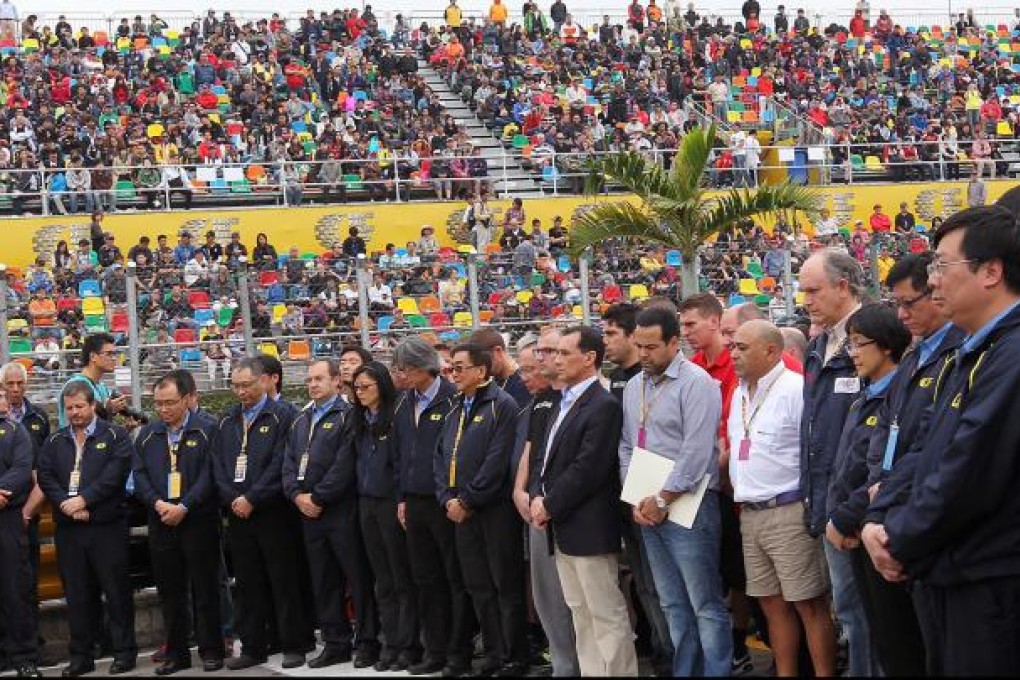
[366, 656]
[456, 670]
[212, 665]
[426, 666]
[171, 666]
[121, 666]
[78, 668]
[27, 669]
[386, 662]
[239, 663]
[293, 659]
[512, 669]
[330, 656]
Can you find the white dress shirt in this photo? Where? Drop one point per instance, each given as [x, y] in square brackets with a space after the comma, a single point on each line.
[772, 466]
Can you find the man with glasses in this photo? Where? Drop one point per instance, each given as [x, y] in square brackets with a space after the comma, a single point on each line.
[319, 479]
[173, 481]
[247, 459]
[99, 357]
[472, 459]
[833, 283]
[952, 528]
[417, 423]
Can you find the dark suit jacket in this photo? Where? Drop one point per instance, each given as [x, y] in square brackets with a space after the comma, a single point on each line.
[581, 483]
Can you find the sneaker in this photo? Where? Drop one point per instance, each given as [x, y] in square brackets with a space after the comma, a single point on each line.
[742, 664]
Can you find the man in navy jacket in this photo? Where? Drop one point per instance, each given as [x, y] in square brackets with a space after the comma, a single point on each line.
[957, 534]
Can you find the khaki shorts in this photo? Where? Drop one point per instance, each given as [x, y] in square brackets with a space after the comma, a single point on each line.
[779, 555]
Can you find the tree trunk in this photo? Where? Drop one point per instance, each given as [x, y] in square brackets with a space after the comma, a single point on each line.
[689, 276]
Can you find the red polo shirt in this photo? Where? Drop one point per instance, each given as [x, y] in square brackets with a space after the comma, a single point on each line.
[723, 372]
[791, 363]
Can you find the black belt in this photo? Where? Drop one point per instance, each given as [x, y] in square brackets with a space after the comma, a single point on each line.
[782, 499]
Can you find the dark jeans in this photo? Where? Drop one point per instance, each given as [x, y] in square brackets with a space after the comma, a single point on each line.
[644, 585]
[892, 620]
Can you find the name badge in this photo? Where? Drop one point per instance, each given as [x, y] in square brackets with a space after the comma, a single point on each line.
[744, 452]
[74, 483]
[241, 468]
[302, 468]
[847, 386]
[173, 486]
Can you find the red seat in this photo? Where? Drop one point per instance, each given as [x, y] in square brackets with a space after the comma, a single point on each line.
[198, 299]
[269, 278]
[495, 298]
[68, 303]
[612, 293]
[439, 319]
[447, 254]
[183, 335]
[119, 322]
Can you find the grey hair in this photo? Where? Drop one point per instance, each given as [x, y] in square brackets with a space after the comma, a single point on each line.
[840, 266]
[527, 340]
[253, 364]
[13, 366]
[414, 352]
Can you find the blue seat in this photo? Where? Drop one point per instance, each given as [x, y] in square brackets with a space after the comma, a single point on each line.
[459, 268]
[674, 258]
[219, 186]
[384, 323]
[219, 89]
[299, 126]
[191, 354]
[563, 263]
[204, 316]
[401, 252]
[449, 336]
[550, 174]
[736, 300]
[89, 288]
[360, 95]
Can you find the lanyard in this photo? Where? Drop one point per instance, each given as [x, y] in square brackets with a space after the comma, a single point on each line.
[754, 414]
[456, 446]
[79, 453]
[244, 434]
[646, 408]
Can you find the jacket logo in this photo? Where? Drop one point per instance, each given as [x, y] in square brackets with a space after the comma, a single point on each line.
[872, 421]
[100, 446]
[191, 442]
[478, 419]
[3, 431]
[264, 429]
[436, 416]
[35, 426]
[925, 383]
[956, 400]
[327, 426]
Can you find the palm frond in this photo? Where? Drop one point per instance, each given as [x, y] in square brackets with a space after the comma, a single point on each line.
[691, 162]
[633, 171]
[615, 220]
[765, 201]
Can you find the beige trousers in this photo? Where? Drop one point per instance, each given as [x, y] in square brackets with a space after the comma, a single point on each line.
[605, 639]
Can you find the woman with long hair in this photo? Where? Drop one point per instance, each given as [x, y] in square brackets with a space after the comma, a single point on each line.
[378, 461]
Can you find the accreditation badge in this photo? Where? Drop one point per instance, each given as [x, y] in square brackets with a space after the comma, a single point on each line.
[302, 468]
[173, 486]
[241, 468]
[74, 483]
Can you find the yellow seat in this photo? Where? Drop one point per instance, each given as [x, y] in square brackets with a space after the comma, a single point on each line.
[269, 349]
[408, 305]
[465, 249]
[524, 296]
[756, 72]
[15, 325]
[299, 350]
[872, 163]
[92, 305]
[462, 320]
[733, 116]
[171, 34]
[278, 312]
[799, 298]
[748, 287]
[155, 130]
[638, 291]
[1004, 129]
[577, 311]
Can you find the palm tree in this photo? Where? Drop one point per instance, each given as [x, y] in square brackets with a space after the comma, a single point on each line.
[674, 210]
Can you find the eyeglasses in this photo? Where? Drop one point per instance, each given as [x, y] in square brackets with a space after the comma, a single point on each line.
[460, 368]
[238, 386]
[857, 346]
[936, 267]
[170, 403]
[909, 303]
[364, 387]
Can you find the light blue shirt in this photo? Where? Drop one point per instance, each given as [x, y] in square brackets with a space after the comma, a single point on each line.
[428, 396]
[319, 411]
[570, 395]
[927, 347]
[467, 403]
[878, 387]
[975, 340]
[252, 413]
[173, 436]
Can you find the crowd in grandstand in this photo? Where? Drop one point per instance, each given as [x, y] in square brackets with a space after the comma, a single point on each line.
[150, 114]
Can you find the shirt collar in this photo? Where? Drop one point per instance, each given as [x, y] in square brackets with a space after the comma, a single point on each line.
[252, 413]
[570, 394]
[975, 340]
[16, 413]
[319, 411]
[429, 395]
[767, 380]
[838, 331]
[927, 346]
[177, 433]
[877, 388]
[673, 370]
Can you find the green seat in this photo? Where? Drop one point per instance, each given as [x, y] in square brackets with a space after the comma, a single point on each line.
[19, 346]
[844, 232]
[96, 323]
[225, 317]
[353, 181]
[240, 186]
[762, 300]
[755, 270]
[309, 147]
[521, 141]
[308, 256]
[737, 106]
[418, 321]
[186, 83]
[537, 279]
[125, 189]
[856, 162]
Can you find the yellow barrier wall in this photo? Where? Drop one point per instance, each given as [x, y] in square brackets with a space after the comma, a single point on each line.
[314, 229]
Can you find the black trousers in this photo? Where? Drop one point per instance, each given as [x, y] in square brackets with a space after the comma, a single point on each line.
[186, 561]
[490, 547]
[446, 616]
[395, 594]
[971, 629]
[336, 557]
[93, 563]
[892, 620]
[17, 610]
[263, 548]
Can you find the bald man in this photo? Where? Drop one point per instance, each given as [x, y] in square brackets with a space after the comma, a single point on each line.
[785, 565]
[734, 317]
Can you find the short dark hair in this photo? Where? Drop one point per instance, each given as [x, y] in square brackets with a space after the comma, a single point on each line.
[913, 266]
[253, 364]
[1011, 201]
[78, 387]
[271, 366]
[994, 236]
[705, 304]
[661, 317]
[173, 378]
[331, 364]
[186, 380]
[589, 340]
[488, 338]
[480, 355]
[622, 315]
[365, 355]
[877, 321]
[93, 344]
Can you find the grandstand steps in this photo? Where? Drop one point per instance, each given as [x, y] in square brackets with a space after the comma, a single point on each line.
[509, 177]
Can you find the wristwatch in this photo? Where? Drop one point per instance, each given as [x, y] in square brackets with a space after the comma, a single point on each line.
[660, 502]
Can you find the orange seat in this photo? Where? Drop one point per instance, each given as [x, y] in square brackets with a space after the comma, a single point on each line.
[767, 284]
[429, 305]
[299, 350]
[485, 315]
[254, 173]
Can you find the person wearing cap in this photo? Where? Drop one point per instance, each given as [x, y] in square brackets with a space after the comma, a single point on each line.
[185, 249]
[213, 250]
